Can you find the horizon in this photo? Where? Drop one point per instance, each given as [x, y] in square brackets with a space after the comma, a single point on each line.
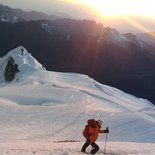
[82, 9]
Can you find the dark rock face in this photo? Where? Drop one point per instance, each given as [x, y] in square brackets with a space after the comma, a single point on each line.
[10, 70]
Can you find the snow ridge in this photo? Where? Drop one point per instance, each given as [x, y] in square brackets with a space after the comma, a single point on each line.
[25, 61]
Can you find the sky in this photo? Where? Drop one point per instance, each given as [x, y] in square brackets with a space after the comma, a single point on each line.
[103, 7]
[48, 6]
[139, 14]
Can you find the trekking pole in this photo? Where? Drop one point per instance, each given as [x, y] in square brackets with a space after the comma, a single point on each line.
[106, 137]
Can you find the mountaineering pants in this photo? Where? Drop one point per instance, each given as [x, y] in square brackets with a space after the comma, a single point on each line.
[95, 147]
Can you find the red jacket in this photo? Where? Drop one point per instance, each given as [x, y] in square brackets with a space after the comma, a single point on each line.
[94, 131]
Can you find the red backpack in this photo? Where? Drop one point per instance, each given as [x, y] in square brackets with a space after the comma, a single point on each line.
[90, 122]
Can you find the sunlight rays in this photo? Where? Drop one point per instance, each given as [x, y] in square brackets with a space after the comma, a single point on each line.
[124, 9]
[138, 25]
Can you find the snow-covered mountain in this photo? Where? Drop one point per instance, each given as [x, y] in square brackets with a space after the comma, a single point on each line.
[7, 15]
[25, 62]
[112, 36]
[34, 15]
[127, 62]
[147, 37]
[11, 15]
[44, 110]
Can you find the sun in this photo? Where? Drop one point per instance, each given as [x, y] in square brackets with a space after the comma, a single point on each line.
[106, 7]
[120, 7]
[123, 7]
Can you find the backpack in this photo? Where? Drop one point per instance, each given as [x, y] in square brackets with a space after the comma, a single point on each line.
[90, 122]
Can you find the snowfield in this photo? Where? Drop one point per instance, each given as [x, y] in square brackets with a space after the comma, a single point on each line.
[44, 113]
[72, 148]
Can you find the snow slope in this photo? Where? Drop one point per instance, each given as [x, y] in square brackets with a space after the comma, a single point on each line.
[42, 111]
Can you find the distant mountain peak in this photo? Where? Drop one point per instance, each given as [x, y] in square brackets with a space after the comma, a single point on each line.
[7, 15]
[16, 63]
